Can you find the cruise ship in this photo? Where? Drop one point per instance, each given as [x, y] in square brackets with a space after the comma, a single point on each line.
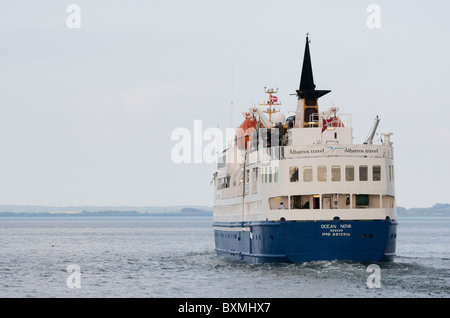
[294, 188]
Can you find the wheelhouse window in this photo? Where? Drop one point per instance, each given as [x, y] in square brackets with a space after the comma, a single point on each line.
[376, 173]
[335, 173]
[307, 174]
[293, 174]
[322, 173]
[349, 173]
[362, 173]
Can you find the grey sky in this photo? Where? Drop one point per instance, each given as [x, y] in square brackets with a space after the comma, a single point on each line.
[86, 114]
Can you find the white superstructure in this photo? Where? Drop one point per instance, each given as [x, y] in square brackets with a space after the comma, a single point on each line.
[324, 170]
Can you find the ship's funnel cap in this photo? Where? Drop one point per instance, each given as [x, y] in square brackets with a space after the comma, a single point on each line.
[307, 87]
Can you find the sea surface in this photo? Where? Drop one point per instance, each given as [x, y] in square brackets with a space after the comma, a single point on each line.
[174, 257]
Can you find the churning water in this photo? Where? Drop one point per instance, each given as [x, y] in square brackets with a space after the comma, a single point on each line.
[174, 257]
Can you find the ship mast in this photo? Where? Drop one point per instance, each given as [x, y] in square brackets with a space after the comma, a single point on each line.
[271, 102]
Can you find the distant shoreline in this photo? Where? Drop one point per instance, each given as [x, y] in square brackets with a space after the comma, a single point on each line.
[438, 210]
[99, 211]
[101, 214]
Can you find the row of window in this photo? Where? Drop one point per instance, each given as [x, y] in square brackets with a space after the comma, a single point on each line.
[295, 174]
[332, 201]
[312, 202]
[305, 174]
[270, 174]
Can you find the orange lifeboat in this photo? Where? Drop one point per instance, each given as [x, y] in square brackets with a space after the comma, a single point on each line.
[337, 122]
[244, 132]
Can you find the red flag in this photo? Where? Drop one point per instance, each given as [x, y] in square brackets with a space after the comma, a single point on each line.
[273, 99]
[325, 123]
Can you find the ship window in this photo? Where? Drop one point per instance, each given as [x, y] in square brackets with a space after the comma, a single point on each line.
[335, 173]
[221, 161]
[362, 173]
[275, 175]
[246, 180]
[376, 173]
[265, 175]
[307, 174]
[322, 173]
[270, 174]
[255, 180]
[296, 202]
[293, 174]
[224, 182]
[362, 200]
[367, 201]
[349, 173]
[316, 201]
[275, 202]
[387, 202]
[329, 201]
[302, 201]
[336, 201]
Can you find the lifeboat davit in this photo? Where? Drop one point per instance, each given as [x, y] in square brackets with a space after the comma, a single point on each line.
[244, 132]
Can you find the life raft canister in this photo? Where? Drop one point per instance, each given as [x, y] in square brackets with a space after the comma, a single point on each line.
[244, 132]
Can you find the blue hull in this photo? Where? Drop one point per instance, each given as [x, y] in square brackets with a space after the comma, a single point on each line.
[298, 241]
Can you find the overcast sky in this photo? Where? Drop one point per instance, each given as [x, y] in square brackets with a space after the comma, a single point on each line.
[86, 114]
